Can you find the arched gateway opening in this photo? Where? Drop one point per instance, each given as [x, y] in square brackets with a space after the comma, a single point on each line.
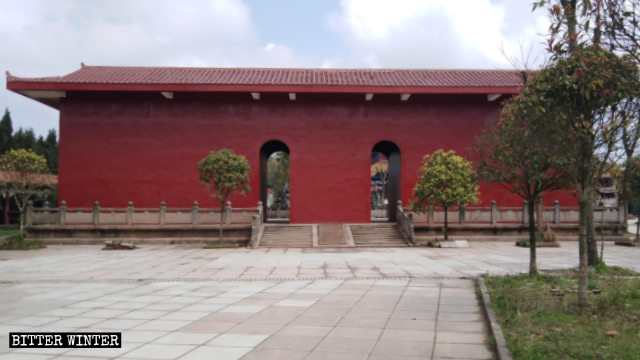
[274, 181]
[385, 181]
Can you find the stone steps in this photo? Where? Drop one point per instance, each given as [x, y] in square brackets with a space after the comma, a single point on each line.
[283, 236]
[377, 235]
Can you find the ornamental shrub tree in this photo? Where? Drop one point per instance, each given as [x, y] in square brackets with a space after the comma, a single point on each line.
[445, 179]
[526, 155]
[224, 173]
[24, 169]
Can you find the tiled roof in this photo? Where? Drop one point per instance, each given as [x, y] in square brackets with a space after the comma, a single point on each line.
[248, 77]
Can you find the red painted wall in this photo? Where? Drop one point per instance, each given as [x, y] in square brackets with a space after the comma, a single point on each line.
[122, 147]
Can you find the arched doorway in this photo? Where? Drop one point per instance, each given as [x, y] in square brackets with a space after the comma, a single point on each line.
[385, 181]
[274, 181]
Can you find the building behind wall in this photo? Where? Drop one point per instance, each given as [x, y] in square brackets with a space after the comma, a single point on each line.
[136, 134]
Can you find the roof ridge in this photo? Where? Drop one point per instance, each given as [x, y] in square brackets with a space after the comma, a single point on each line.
[250, 68]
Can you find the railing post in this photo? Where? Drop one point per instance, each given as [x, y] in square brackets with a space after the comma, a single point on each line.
[260, 210]
[227, 213]
[96, 213]
[462, 212]
[29, 213]
[410, 227]
[45, 204]
[525, 214]
[494, 212]
[130, 213]
[430, 215]
[63, 213]
[195, 214]
[556, 212]
[163, 213]
[254, 230]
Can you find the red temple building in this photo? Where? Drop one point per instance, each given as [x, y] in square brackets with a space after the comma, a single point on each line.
[137, 133]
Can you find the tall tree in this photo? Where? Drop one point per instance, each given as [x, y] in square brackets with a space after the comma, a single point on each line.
[580, 93]
[224, 173]
[577, 25]
[445, 179]
[24, 170]
[6, 132]
[50, 146]
[24, 139]
[525, 154]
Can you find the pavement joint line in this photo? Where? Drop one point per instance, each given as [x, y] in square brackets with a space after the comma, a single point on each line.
[435, 332]
[204, 280]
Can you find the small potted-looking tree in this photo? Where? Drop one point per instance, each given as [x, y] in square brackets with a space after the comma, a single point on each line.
[224, 173]
[445, 179]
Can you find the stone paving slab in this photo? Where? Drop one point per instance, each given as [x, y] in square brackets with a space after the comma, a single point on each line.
[230, 304]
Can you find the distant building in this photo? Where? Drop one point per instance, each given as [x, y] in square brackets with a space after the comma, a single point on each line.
[608, 192]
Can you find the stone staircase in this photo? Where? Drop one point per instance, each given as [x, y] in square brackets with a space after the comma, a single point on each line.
[377, 235]
[286, 236]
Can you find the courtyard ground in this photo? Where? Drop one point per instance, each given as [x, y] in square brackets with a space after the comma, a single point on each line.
[183, 302]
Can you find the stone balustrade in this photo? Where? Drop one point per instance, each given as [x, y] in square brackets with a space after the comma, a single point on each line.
[495, 215]
[131, 216]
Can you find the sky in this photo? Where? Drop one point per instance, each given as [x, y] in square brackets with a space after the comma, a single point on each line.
[50, 38]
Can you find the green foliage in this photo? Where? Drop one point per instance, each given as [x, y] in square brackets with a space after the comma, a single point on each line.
[25, 163]
[445, 179]
[26, 139]
[18, 242]
[223, 172]
[6, 132]
[24, 174]
[278, 178]
[524, 151]
[220, 244]
[8, 232]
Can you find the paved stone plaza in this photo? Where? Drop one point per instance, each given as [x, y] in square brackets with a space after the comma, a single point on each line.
[174, 302]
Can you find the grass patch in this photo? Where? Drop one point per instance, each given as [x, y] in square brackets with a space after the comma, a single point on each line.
[540, 320]
[220, 244]
[18, 242]
[9, 232]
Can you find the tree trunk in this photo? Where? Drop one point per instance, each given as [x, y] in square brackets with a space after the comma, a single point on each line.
[540, 214]
[21, 221]
[637, 228]
[592, 241]
[221, 218]
[446, 222]
[582, 268]
[533, 267]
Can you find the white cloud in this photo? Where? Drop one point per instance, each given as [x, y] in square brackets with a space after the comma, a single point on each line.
[45, 38]
[436, 33]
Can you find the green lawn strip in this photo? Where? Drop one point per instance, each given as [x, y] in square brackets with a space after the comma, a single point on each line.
[18, 242]
[540, 324]
[9, 232]
[220, 244]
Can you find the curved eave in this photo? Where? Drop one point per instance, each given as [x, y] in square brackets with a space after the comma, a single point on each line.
[45, 92]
